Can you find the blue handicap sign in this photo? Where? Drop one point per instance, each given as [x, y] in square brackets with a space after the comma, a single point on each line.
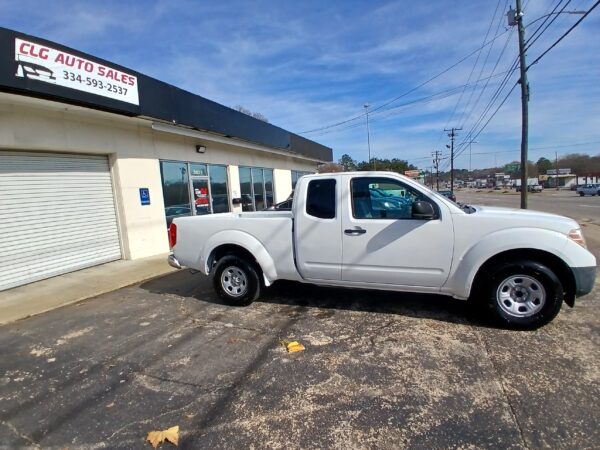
[144, 196]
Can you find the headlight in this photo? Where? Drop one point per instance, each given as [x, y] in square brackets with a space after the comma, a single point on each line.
[577, 236]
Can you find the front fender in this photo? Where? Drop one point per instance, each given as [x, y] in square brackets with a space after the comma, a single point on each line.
[247, 242]
[468, 263]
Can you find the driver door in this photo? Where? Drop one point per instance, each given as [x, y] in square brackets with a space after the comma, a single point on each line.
[383, 244]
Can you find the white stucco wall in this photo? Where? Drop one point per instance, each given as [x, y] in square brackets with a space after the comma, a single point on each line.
[142, 228]
[283, 184]
[134, 150]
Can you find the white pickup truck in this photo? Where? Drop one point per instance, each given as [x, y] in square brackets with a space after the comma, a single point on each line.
[380, 230]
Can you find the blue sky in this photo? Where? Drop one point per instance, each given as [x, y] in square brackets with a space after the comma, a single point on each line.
[307, 65]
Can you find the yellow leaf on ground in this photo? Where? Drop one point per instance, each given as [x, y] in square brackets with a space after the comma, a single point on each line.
[294, 346]
[158, 437]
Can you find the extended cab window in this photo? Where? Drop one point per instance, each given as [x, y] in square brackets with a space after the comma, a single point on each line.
[320, 199]
[384, 198]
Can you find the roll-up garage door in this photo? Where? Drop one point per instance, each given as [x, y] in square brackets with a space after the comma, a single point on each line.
[57, 215]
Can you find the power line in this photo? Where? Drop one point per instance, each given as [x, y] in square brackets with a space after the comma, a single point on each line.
[479, 77]
[552, 14]
[564, 34]
[470, 135]
[440, 95]
[475, 64]
[407, 92]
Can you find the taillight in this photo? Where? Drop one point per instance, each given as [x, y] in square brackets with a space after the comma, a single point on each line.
[172, 235]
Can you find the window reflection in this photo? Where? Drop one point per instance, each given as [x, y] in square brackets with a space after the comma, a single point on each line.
[176, 192]
[268, 177]
[258, 184]
[218, 188]
[207, 183]
[246, 189]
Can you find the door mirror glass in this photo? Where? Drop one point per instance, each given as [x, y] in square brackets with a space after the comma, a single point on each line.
[422, 210]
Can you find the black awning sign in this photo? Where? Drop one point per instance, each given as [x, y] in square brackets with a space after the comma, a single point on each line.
[39, 62]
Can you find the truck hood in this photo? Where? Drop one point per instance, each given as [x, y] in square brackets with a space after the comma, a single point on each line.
[526, 217]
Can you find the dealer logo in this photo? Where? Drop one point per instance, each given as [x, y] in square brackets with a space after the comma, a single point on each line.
[27, 69]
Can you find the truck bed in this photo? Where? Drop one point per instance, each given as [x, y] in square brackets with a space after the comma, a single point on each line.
[270, 229]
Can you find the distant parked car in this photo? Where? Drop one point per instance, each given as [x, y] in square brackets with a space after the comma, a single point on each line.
[448, 194]
[535, 188]
[589, 189]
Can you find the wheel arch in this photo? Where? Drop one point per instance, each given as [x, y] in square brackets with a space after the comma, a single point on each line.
[241, 242]
[235, 249]
[553, 262]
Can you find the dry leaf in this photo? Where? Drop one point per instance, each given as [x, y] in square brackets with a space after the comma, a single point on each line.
[292, 346]
[158, 437]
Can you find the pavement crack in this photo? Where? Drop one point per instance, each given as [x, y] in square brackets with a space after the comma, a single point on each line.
[12, 428]
[212, 388]
[504, 392]
[150, 419]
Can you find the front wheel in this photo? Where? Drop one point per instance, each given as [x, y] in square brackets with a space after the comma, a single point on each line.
[524, 294]
[236, 280]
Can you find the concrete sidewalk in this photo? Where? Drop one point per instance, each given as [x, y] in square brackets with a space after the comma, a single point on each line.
[42, 296]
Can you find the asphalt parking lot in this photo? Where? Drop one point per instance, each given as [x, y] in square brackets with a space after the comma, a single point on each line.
[380, 370]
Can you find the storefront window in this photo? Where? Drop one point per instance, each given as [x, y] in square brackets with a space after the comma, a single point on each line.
[256, 185]
[268, 176]
[193, 189]
[296, 174]
[259, 189]
[246, 189]
[218, 188]
[198, 170]
[176, 191]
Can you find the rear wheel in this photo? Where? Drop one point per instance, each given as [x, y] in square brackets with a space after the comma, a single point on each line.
[524, 294]
[236, 280]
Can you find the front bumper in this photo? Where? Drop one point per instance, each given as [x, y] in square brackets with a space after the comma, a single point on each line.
[584, 279]
[173, 262]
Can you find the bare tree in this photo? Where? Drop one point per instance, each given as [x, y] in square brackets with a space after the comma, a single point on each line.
[330, 168]
[246, 111]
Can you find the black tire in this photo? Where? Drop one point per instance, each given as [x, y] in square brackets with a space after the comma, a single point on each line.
[236, 280]
[581, 194]
[523, 294]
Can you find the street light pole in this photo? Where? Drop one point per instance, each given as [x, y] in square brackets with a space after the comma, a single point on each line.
[366, 106]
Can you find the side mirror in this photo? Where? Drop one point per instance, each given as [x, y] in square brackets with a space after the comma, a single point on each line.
[422, 210]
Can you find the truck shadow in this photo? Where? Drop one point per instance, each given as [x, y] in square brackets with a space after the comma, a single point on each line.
[330, 299]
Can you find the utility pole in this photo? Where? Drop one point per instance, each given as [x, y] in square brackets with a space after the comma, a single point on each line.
[436, 164]
[451, 135]
[470, 142]
[366, 106]
[516, 18]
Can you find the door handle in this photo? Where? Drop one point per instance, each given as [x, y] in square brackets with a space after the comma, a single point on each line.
[355, 231]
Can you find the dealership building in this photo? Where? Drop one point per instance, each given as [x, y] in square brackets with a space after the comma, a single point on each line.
[96, 160]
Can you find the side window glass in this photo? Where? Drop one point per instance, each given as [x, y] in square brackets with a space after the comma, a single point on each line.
[383, 198]
[320, 199]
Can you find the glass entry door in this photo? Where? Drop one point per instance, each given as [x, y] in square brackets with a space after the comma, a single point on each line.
[201, 195]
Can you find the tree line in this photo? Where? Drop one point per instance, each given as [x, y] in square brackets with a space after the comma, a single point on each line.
[347, 164]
